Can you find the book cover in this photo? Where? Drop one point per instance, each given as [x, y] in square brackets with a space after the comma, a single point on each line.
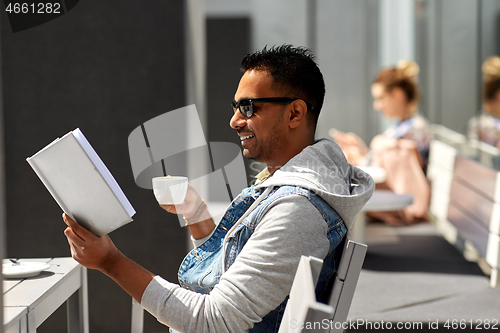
[81, 184]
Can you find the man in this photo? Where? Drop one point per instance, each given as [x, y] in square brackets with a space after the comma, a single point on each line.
[239, 276]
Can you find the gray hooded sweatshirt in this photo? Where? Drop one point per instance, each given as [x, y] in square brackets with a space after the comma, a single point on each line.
[262, 274]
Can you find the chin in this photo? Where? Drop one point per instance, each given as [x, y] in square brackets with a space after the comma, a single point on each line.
[247, 154]
[250, 156]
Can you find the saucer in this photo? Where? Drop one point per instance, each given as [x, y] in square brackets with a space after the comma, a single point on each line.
[23, 269]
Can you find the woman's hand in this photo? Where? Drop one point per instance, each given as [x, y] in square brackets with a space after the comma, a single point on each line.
[88, 249]
[352, 145]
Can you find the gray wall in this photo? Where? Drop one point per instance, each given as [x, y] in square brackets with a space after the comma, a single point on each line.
[454, 38]
[280, 21]
[347, 54]
[489, 28]
[396, 21]
[459, 61]
[228, 40]
[106, 67]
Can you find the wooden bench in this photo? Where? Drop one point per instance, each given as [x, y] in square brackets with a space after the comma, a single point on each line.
[465, 203]
[479, 151]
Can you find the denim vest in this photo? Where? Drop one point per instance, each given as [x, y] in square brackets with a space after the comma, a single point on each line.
[201, 269]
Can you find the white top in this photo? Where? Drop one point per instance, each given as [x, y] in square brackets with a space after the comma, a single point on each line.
[378, 174]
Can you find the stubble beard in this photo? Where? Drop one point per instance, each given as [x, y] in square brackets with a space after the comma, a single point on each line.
[265, 152]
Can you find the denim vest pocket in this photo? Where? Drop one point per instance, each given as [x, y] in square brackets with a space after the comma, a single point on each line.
[212, 274]
[201, 270]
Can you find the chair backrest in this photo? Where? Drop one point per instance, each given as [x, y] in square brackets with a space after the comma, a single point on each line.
[346, 280]
[303, 313]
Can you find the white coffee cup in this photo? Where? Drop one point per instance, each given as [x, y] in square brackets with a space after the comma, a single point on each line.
[170, 190]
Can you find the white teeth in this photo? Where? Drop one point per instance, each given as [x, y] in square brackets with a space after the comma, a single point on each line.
[246, 137]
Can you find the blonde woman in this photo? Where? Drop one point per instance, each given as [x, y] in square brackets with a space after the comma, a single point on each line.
[485, 126]
[396, 95]
[403, 149]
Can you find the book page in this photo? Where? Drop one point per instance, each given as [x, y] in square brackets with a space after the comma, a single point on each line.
[103, 170]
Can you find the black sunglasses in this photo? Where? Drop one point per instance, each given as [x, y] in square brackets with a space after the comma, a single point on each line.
[245, 105]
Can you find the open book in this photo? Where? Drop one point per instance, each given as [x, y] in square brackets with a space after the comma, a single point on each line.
[81, 184]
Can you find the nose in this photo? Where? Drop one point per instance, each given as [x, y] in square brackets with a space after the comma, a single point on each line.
[237, 120]
[377, 105]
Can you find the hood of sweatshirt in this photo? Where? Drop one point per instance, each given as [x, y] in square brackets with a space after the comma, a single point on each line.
[323, 169]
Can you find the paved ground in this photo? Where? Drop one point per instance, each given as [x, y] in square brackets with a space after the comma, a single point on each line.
[413, 277]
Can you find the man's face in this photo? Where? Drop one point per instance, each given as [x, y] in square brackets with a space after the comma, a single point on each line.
[265, 133]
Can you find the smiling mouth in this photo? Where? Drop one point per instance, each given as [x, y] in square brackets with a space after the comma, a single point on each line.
[246, 137]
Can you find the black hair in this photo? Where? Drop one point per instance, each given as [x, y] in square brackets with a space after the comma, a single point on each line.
[294, 71]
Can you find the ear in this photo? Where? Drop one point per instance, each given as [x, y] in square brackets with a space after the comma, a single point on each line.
[297, 114]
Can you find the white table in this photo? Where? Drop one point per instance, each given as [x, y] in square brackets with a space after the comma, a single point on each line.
[386, 200]
[29, 302]
[378, 174]
[381, 201]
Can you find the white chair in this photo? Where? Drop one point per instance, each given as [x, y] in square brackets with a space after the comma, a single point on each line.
[137, 317]
[303, 313]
